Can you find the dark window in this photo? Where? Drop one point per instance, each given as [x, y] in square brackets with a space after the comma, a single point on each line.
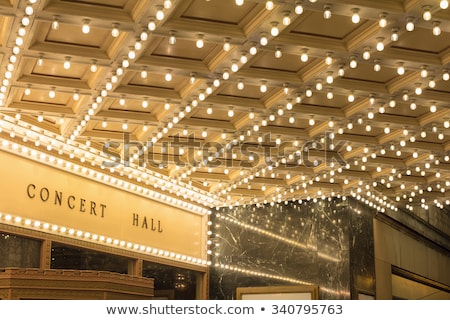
[68, 257]
[19, 252]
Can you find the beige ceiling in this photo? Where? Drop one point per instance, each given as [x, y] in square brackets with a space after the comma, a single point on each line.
[240, 169]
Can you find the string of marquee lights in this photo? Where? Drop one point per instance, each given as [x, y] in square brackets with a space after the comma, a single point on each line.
[225, 75]
[105, 240]
[79, 157]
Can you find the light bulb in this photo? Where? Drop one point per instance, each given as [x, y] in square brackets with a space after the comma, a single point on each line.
[263, 40]
[115, 30]
[304, 56]
[377, 66]
[144, 74]
[172, 38]
[311, 122]
[355, 16]
[168, 76]
[263, 87]
[426, 13]
[418, 90]
[383, 21]
[55, 23]
[85, 28]
[443, 4]
[298, 7]
[278, 53]
[445, 75]
[151, 24]
[52, 93]
[380, 44]
[327, 12]
[410, 25]
[274, 31]
[253, 50]
[159, 13]
[67, 63]
[269, 5]
[199, 43]
[366, 53]
[353, 63]
[230, 113]
[93, 67]
[239, 2]
[436, 28]
[286, 18]
[394, 35]
[400, 69]
[167, 4]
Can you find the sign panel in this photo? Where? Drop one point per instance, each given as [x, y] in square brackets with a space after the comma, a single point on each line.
[33, 190]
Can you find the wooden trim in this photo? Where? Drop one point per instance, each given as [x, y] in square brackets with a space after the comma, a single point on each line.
[418, 278]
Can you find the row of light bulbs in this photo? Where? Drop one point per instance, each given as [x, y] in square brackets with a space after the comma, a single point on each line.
[105, 240]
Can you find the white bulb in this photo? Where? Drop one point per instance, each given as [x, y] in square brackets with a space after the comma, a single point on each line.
[239, 2]
[443, 4]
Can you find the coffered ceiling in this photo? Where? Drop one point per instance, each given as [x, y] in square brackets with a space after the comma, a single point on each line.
[323, 109]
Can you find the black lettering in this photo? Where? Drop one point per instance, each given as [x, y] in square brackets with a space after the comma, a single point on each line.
[144, 223]
[45, 194]
[69, 203]
[31, 187]
[92, 211]
[82, 203]
[135, 219]
[153, 227]
[160, 230]
[103, 206]
[58, 197]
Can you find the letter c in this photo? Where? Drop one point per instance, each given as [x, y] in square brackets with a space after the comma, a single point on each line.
[31, 187]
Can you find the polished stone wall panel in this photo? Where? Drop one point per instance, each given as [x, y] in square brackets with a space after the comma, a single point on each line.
[288, 244]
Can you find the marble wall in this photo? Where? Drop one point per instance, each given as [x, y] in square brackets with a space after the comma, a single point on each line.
[316, 242]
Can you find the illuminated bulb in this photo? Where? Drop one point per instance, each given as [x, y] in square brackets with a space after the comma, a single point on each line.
[239, 2]
[230, 113]
[168, 76]
[355, 16]
[167, 105]
[124, 126]
[351, 97]
[298, 8]
[410, 25]
[377, 66]
[122, 101]
[151, 24]
[392, 103]
[172, 38]
[278, 53]
[234, 66]
[366, 53]
[330, 78]
[304, 56]
[308, 92]
[52, 93]
[269, 5]
[253, 50]
[286, 18]
[240, 85]
[115, 30]
[319, 85]
[225, 74]
[199, 43]
[413, 105]
[263, 87]
[144, 73]
[418, 90]
[341, 71]
[380, 44]
[27, 91]
[436, 28]
[433, 108]
[243, 58]
[159, 13]
[330, 94]
[432, 83]
[40, 118]
[226, 45]
[263, 39]
[311, 121]
[76, 96]
[144, 103]
[400, 69]
[426, 13]
[93, 67]
[85, 28]
[383, 21]
[125, 63]
[353, 63]
[274, 30]
[394, 35]
[55, 23]
[443, 4]
[387, 130]
[445, 75]
[328, 59]
[327, 12]
[131, 54]
[167, 4]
